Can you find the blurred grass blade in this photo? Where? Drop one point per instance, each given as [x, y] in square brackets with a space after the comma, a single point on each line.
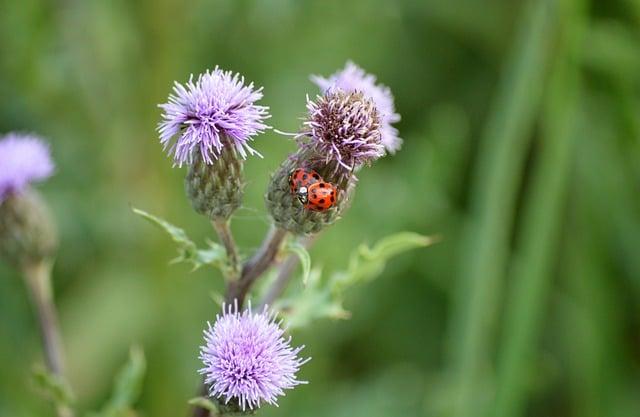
[539, 239]
[499, 171]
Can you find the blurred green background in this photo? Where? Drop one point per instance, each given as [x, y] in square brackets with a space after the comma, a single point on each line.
[522, 150]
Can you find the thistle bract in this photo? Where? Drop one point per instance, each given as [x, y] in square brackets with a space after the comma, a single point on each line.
[247, 360]
[24, 159]
[353, 78]
[199, 114]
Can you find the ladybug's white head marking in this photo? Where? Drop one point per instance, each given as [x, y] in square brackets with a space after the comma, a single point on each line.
[303, 195]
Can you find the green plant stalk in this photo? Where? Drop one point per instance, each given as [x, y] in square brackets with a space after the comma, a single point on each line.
[37, 277]
[538, 243]
[502, 153]
[223, 230]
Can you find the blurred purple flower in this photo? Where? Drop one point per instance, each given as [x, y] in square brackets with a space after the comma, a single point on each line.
[247, 358]
[217, 104]
[24, 158]
[354, 78]
[344, 127]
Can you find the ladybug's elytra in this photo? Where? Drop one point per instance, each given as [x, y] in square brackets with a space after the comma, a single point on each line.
[320, 196]
[312, 191]
[302, 178]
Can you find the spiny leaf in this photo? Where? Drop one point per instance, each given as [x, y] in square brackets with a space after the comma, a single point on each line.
[366, 263]
[188, 251]
[205, 403]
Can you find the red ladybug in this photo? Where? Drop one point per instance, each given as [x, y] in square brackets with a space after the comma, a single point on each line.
[302, 178]
[319, 196]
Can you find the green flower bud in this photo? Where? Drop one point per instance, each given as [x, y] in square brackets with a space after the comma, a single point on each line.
[27, 232]
[216, 190]
[285, 209]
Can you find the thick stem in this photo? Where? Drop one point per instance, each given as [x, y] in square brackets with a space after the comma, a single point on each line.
[285, 274]
[254, 267]
[37, 276]
[226, 237]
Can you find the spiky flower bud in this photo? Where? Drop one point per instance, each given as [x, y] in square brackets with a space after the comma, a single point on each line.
[285, 209]
[216, 190]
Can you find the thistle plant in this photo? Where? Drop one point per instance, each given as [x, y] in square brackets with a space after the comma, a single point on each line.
[208, 125]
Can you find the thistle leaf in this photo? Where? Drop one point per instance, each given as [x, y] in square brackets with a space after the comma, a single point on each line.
[188, 251]
[293, 246]
[54, 387]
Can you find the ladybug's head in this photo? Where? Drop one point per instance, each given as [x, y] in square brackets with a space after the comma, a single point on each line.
[303, 195]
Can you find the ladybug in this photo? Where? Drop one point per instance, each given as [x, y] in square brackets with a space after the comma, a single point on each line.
[302, 178]
[319, 196]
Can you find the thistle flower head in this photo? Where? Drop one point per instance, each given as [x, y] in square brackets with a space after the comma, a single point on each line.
[24, 158]
[354, 78]
[247, 359]
[199, 113]
[344, 127]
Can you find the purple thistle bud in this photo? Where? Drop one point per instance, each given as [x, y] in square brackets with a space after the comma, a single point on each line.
[217, 104]
[24, 158]
[354, 78]
[344, 128]
[247, 358]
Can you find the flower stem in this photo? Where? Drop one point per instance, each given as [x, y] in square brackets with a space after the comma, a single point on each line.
[226, 237]
[37, 277]
[286, 272]
[254, 267]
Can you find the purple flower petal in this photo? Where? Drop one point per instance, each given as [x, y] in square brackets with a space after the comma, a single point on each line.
[247, 358]
[24, 158]
[200, 113]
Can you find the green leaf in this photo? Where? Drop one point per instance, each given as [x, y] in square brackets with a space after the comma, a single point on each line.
[127, 385]
[295, 247]
[318, 301]
[188, 251]
[54, 387]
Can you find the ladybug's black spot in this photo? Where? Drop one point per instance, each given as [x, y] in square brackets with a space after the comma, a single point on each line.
[321, 201]
[305, 176]
[319, 208]
[333, 199]
[316, 176]
[315, 196]
[321, 185]
[332, 193]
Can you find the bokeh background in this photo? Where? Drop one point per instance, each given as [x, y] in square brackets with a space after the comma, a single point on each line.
[521, 122]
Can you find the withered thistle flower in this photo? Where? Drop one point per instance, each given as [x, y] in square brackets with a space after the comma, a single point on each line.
[342, 130]
[353, 78]
[247, 360]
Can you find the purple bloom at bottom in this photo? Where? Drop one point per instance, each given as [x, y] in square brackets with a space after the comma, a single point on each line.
[247, 358]
[24, 158]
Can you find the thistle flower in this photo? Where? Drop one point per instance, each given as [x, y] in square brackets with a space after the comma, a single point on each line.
[24, 158]
[354, 78]
[344, 130]
[247, 359]
[27, 232]
[218, 104]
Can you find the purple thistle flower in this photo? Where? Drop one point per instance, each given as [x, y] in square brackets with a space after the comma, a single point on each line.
[247, 358]
[354, 78]
[24, 158]
[344, 127]
[217, 104]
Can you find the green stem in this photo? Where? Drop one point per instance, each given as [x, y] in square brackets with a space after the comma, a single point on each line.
[502, 154]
